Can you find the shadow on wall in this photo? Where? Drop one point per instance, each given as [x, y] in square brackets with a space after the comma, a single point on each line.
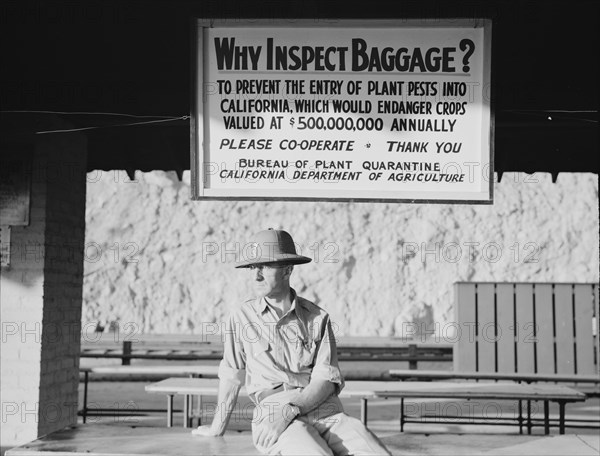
[415, 322]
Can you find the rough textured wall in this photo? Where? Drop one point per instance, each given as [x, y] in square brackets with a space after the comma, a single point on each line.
[163, 264]
[40, 294]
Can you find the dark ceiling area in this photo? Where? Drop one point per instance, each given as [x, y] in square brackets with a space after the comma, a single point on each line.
[133, 57]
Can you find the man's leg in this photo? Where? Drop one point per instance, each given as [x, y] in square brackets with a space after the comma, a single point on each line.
[299, 438]
[346, 435]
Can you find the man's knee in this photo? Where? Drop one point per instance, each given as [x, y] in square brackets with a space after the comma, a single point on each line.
[299, 438]
[352, 436]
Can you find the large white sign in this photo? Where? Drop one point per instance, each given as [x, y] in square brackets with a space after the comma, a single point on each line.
[370, 110]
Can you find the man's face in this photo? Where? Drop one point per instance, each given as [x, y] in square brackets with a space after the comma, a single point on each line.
[270, 281]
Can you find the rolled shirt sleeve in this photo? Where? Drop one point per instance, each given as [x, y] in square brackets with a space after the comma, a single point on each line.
[326, 365]
[233, 364]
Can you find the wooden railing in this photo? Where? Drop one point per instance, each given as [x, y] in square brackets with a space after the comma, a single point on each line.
[188, 349]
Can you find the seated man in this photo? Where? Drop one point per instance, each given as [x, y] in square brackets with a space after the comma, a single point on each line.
[283, 348]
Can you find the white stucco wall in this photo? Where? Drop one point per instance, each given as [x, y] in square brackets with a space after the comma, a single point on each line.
[375, 265]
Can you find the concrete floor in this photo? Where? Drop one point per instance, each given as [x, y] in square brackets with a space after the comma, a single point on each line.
[116, 439]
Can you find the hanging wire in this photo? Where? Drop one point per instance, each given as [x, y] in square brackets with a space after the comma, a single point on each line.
[78, 113]
[546, 113]
[112, 126]
[158, 119]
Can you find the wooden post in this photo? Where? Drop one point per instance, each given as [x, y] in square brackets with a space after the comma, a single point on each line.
[412, 353]
[126, 359]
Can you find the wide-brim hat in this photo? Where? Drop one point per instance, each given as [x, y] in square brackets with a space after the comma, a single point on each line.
[271, 247]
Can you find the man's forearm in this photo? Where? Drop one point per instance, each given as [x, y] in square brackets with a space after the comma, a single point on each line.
[228, 393]
[314, 395]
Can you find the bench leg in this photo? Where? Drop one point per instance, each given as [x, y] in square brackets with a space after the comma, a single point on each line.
[520, 417]
[199, 410]
[401, 414]
[561, 417]
[85, 394]
[363, 410]
[529, 417]
[186, 410]
[169, 410]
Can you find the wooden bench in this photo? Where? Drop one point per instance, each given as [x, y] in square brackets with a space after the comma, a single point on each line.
[128, 371]
[189, 387]
[369, 390]
[588, 383]
[527, 328]
[524, 332]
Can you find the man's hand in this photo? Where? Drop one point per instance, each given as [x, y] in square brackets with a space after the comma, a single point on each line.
[205, 431]
[270, 428]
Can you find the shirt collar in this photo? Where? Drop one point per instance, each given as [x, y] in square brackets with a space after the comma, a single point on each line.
[260, 305]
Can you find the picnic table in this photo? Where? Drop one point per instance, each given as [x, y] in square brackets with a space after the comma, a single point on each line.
[368, 390]
[150, 370]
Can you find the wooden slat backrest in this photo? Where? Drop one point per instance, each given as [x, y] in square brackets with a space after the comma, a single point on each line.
[563, 320]
[527, 328]
[525, 324]
[486, 327]
[596, 326]
[505, 313]
[584, 331]
[465, 353]
[544, 328]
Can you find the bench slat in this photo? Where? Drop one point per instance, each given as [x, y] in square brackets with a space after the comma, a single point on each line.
[525, 328]
[486, 324]
[596, 325]
[563, 319]
[544, 329]
[584, 329]
[464, 310]
[506, 327]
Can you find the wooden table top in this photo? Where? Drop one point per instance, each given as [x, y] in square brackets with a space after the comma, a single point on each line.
[372, 389]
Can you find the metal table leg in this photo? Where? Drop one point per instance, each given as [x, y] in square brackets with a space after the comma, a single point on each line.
[520, 418]
[199, 408]
[169, 410]
[186, 410]
[529, 417]
[401, 414]
[561, 416]
[363, 410]
[85, 394]
[546, 417]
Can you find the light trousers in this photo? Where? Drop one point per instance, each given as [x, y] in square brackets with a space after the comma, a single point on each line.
[327, 430]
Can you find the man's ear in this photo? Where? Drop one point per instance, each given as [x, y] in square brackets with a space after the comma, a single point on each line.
[289, 269]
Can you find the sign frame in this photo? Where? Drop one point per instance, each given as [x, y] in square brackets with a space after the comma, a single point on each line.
[200, 124]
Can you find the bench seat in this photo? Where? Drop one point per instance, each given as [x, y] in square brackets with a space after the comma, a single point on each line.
[588, 384]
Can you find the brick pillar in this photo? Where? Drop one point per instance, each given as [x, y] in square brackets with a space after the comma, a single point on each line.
[41, 294]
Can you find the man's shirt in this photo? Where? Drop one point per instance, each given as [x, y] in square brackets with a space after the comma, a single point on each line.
[263, 351]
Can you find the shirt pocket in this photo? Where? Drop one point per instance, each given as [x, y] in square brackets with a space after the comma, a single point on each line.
[306, 350]
[259, 347]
